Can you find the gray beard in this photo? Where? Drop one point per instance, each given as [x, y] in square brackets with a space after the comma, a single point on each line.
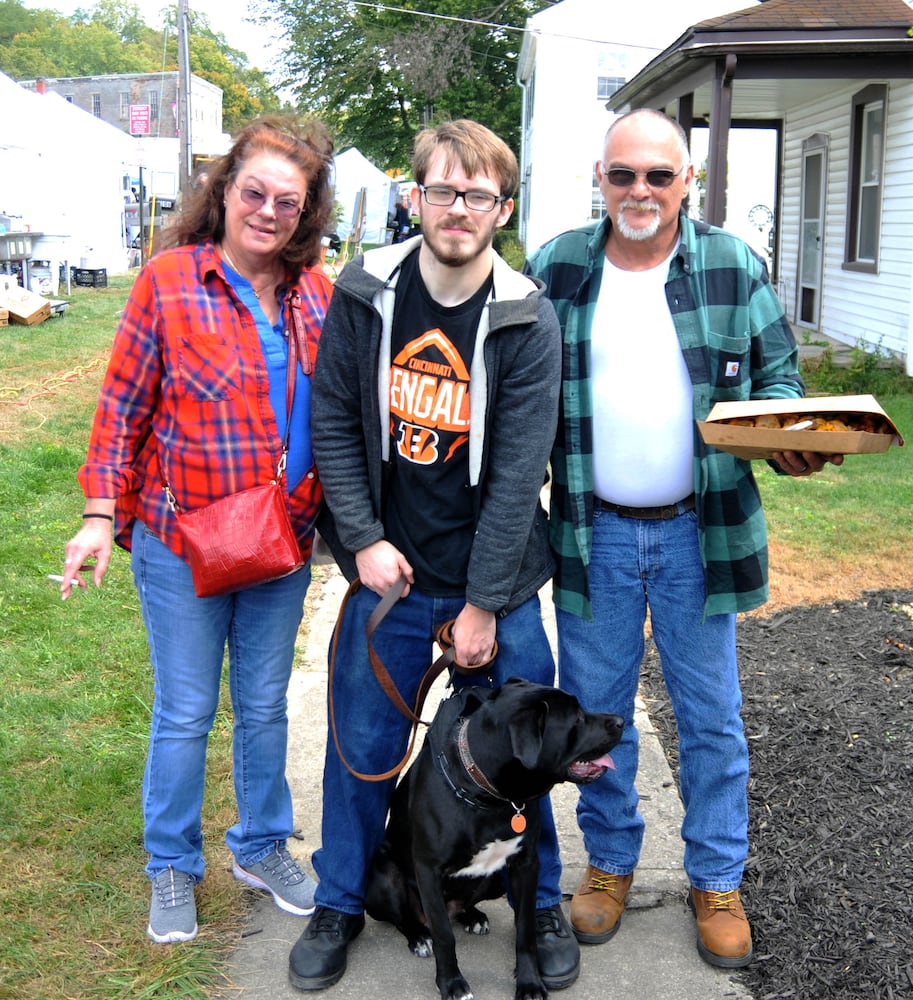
[637, 234]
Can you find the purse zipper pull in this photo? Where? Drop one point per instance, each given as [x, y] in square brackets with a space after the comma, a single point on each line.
[170, 497]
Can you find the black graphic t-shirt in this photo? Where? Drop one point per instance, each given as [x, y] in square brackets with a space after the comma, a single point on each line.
[429, 512]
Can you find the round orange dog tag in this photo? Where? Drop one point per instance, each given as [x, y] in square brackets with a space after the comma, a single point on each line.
[518, 823]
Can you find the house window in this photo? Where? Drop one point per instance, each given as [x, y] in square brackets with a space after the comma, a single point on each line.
[124, 105]
[607, 85]
[866, 180]
[96, 105]
[69, 98]
[154, 104]
[597, 202]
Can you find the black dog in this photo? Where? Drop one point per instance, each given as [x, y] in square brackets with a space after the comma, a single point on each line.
[468, 806]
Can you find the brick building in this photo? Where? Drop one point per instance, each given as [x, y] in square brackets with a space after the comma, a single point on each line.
[143, 103]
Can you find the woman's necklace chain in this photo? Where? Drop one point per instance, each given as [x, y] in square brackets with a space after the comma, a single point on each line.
[235, 268]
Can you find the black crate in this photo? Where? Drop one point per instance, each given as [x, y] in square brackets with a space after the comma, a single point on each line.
[90, 277]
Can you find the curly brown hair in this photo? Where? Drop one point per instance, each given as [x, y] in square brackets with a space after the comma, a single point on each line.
[305, 142]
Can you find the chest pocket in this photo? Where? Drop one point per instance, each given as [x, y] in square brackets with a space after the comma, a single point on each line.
[210, 367]
[730, 362]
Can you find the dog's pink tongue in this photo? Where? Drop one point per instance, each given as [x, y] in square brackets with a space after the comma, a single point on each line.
[605, 761]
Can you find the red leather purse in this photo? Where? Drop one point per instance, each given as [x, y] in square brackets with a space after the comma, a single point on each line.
[241, 540]
[247, 538]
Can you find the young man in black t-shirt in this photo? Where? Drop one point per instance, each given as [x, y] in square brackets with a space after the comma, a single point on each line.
[433, 414]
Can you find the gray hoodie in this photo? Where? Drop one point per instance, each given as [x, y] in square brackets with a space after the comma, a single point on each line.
[514, 381]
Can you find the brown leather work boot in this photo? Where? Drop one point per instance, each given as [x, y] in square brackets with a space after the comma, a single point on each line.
[598, 904]
[723, 931]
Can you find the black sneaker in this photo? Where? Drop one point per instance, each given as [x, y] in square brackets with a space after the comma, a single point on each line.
[559, 953]
[318, 958]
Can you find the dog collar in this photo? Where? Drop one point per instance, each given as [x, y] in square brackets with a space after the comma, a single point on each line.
[518, 821]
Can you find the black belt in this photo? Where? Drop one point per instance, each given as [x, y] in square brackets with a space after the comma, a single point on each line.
[665, 513]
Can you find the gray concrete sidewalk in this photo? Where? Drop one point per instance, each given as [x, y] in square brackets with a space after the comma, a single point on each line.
[652, 956]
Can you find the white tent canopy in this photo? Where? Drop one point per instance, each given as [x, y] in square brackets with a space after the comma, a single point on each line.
[354, 172]
[62, 171]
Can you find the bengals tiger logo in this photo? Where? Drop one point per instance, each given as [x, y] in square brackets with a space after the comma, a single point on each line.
[417, 444]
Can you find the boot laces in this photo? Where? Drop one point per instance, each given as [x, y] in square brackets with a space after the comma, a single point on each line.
[326, 921]
[722, 900]
[603, 882]
[547, 922]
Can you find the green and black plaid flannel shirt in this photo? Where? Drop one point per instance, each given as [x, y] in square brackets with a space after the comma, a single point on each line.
[737, 344]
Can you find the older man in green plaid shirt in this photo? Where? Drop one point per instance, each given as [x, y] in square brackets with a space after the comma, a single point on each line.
[662, 317]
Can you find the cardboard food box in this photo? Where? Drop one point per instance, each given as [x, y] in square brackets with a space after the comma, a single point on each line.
[720, 431]
[38, 315]
[25, 307]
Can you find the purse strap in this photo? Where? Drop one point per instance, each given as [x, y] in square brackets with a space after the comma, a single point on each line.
[297, 348]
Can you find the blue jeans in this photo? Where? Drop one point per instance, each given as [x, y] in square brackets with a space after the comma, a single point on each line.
[374, 735]
[187, 637]
[657, 563]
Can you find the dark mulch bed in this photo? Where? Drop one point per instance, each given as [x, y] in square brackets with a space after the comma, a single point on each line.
[828, 710]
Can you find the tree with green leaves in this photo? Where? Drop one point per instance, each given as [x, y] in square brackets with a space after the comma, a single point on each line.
[377, 73]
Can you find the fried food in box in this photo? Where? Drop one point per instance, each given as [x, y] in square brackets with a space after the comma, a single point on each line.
[868, 423]
[826, 424]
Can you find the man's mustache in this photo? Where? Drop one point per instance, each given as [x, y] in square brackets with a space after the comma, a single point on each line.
[639, 206]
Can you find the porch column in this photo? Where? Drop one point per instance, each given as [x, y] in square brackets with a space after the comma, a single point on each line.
[720, 121]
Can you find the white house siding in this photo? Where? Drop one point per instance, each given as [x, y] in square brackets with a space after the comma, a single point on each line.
[855, 307]
[563, 139]
[566, 49]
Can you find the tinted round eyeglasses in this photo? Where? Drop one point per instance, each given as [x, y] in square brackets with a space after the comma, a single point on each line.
[622, 177]
[283, 207]
[478, 201]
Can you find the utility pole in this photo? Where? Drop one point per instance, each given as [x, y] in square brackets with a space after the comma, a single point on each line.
[185, 151]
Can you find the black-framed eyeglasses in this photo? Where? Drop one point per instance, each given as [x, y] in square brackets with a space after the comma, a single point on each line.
[621, 177]
[479, 201]
[285, 208]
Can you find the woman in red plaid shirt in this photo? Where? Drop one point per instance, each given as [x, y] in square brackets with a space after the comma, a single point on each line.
[197, 382]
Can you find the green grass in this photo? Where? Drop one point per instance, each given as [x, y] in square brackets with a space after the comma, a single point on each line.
[852, 511]
[75, 684]
[75, 689]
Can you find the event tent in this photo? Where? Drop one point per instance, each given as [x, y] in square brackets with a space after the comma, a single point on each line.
[355, 173]
[65, 174]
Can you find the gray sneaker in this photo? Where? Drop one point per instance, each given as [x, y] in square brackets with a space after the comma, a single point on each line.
[280, 874]
[173, 911]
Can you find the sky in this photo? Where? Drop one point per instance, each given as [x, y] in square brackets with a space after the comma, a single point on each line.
[224, 16]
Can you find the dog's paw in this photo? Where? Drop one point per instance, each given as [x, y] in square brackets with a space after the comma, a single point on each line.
[456, 989]
[474, 921]
[531, 991]
[422, 946]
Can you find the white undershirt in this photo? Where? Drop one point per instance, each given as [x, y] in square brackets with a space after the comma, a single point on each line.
[643, 445]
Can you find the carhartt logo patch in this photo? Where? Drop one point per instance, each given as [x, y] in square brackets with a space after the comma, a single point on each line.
[732, 369]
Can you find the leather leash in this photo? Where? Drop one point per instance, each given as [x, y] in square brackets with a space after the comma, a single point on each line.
[444, 639]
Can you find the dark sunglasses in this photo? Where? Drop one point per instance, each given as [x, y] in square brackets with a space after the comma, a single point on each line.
[284, 207]
[622, 177]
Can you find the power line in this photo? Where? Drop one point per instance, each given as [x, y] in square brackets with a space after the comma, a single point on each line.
[494, 24]
[439, 17]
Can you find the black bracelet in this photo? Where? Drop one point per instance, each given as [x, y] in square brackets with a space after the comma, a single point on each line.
[104, 517]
